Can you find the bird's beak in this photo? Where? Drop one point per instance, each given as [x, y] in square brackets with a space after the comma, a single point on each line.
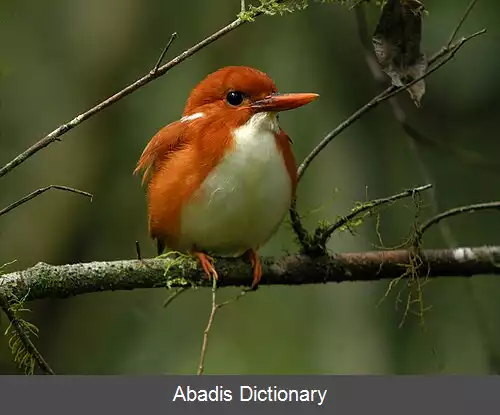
[283, 102]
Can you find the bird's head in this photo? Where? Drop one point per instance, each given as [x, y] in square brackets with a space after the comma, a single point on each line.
[236, 93]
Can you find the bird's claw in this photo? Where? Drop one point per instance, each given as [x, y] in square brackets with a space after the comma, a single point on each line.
[207, 265]
[257, 268]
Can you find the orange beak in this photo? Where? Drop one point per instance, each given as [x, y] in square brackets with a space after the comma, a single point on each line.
[283, 102]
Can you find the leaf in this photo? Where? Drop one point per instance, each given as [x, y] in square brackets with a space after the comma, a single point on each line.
[396, 43]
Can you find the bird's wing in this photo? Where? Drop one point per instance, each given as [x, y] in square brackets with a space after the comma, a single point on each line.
[286, 149]
[159, 149]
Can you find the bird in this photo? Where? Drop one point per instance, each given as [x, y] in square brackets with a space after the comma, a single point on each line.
[220, 180]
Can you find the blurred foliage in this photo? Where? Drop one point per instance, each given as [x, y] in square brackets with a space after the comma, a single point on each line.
[58, 58]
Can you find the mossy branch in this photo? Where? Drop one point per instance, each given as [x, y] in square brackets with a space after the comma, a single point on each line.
[276, 7]
[19, 332]
[62, 281]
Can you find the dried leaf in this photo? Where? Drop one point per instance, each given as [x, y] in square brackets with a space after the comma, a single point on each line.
[396, 42]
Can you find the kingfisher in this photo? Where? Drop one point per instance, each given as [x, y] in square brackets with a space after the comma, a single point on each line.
[221, 179]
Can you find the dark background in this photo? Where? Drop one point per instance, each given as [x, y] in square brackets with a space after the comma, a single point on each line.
[58, 58]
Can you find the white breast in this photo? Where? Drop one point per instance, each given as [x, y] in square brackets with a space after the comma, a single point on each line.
[245, 198]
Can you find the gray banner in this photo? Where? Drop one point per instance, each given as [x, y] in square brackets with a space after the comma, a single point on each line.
[248, 394]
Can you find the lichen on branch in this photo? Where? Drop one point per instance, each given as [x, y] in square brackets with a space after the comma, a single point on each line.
[274, 7]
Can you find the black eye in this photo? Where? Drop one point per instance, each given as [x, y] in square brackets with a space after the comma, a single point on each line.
[234, 98]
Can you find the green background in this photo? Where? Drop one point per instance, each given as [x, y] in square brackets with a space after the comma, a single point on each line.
[58, 58]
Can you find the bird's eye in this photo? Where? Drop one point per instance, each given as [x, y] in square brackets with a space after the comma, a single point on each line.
[234, 98]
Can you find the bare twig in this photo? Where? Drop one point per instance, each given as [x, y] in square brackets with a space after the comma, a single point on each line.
[138, 250]
[204, 343]
[25, 338]
[341, 127]
[457, 211]
[461, 22]
[38, 192]
[150, 76]
[206, 332]
[6, 265]
[174, 295]
[164, 51]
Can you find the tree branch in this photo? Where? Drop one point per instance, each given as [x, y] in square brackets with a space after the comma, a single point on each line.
[173, 36]
[156, 72]
[38, 192]
[316, 244]
[215, 307]
[61, 281]
[25, 340]
[461, 22]
[457, 211]
[206, 332]
[327, 232]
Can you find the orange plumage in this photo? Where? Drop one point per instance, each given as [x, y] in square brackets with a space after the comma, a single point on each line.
[221, 179]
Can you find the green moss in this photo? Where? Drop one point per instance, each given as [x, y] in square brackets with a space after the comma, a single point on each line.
[22, 356]
[178, 267]
[280, 7]
[410, 294]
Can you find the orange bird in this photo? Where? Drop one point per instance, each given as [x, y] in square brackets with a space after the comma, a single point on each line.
[221, 179]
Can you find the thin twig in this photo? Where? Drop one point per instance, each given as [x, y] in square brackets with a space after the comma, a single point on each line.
[367, 207]
[301, 232]
[204, 343]
[174, 295]
[461, 22]
[162, 70]
[38, 192]
[457, 211]
[213, 310]
[164, 51]
[138, 250]
[235, 298]
[25, 338]
[357, 3]
[6, 265]
[64, 128]
[337, 130]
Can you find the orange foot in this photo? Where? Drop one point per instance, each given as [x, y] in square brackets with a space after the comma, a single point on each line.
[207, 265]
[257, 267]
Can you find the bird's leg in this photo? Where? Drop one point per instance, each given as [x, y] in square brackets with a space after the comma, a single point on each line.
[257, 267]
[160, 246]
[207, 265]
